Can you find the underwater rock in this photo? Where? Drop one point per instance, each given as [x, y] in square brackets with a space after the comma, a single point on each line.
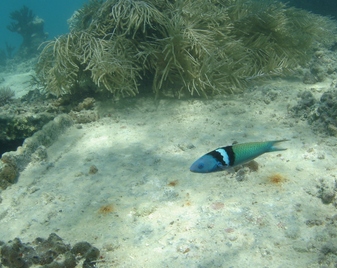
[309, 78]
[270, 96]
[51, 252]
[30, 124]
[8, 174]
[327, 190]
[321, 114]
[93, 169]
[328, 255]
[327, 195]
[40, 154]
[322, 65]
[17, 127]
[86, 104]
[83, 112]
[21, 118]
[85, 116]
[86, 251]
[307, 100]
[81, 248]
[318, 72]
[312, 223]
[12, 254]
[17, 160]
[328, 106]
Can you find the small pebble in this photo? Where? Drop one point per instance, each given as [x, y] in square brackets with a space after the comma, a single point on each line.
[217, 205]
[93, 169]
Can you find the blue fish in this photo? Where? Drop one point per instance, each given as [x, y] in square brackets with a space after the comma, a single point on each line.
[230, 156]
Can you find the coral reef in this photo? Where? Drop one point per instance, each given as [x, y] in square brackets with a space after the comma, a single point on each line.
[18, 123]
[323, 65]
[8, 173]
[50, 252]
[13, 162]
[21, 118]
[178, 47]
[28, 125]
[30, 27]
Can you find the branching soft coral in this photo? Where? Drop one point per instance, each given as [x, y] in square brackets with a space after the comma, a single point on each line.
[195, 47]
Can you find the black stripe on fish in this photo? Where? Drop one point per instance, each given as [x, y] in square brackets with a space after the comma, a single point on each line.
[231, 155]
[224, 155]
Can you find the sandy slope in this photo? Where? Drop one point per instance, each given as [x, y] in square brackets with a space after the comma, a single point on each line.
[159, 214]
[18, 77]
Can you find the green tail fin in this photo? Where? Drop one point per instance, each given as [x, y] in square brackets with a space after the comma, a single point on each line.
[274, 149]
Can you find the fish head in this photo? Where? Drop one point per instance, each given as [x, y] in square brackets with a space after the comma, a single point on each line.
[206, 164]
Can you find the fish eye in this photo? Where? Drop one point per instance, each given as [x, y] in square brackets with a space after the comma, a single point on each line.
[201, 166]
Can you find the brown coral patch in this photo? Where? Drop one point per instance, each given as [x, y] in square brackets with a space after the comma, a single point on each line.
[106, 209]
[8, 175]
[277, 179]
[173, 183]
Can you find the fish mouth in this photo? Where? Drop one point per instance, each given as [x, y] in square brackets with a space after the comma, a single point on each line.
[200, 168]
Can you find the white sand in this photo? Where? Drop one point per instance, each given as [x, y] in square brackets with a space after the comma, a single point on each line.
[205, 220]
[18, 78]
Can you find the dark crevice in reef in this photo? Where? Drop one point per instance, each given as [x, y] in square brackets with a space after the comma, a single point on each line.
[12, 145]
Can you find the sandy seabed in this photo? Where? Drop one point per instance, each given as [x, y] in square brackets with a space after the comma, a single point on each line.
[142, 207]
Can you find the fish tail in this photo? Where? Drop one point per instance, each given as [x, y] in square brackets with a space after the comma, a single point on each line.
[273, 146]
